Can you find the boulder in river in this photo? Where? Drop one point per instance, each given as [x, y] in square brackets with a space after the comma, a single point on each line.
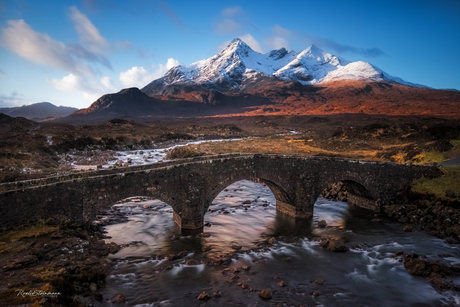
[266, 294]
[334, 245]
[203, 296]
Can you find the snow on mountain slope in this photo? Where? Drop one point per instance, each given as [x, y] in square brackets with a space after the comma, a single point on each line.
[238, 66]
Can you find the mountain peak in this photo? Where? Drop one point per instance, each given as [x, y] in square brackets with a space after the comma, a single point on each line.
[237, 45]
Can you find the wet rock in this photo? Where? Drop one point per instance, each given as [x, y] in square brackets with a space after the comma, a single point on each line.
[98, 297]
[205, 234]
[246, 202]
[236, 247]
[203, 296]
[207, 224]
[319, 282]
[408, 228]
[322, 224]
[266, 294]
[451, 194]
[93, 287]
[281, 284]
[216, 294]
[442, 282]
[317, 293]
[242, 286]
[416, 265]
[191, 262]
[119, 299]
[272, 240]
[81, 300]
[452, 240]
[225, 271]
[245, 267]
[334, 245]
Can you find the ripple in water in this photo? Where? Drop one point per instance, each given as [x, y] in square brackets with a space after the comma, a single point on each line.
[367, 275]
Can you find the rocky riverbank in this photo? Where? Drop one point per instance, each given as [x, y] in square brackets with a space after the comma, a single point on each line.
[54, 265]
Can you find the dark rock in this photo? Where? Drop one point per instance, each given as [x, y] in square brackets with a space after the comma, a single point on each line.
[25, 261]
[335, 245]
[322, 224]
[203, 296]
[119, 299]
[451, 194]
[266, 294]
[93, 287]
[408, 228]
[81, 300]
[418, 266]
[451, 240]
[242, 286]
[246, 202]
[191, 262]
[237, 247]
[319, 282]
[442, 282]
[245, 267]
[272, 240]
[317, 293]
[205, 234]
[281, 284]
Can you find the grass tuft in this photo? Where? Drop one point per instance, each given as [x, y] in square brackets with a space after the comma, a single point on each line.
[439, 186]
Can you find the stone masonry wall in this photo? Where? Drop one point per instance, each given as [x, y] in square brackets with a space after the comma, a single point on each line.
[190, 185]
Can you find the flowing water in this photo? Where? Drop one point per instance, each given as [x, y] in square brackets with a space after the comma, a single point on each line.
[368, 275]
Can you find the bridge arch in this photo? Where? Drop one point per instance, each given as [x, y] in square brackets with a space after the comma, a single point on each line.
[357, 193]
[281, 196]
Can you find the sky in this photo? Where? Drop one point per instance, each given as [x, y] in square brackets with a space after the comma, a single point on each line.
[70, 53]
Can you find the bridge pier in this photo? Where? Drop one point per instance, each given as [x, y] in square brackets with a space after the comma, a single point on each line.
[189, 223]
[293, 211]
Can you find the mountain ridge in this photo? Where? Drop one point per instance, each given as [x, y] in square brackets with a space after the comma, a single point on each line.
[237, 65]
[38, 111]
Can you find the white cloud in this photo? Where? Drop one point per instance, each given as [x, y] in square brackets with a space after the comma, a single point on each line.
[13, 100]
[231, 21]
[89, 90]
[88, 34]
[227, 26]
[231, 11]
[40, 48]
[135, 77]
[252, 42]
[139, 76]
[279, 39]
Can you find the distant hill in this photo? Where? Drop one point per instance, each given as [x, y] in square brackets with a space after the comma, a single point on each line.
[38, 111]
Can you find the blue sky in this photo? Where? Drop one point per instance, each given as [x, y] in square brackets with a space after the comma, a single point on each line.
[72, 52]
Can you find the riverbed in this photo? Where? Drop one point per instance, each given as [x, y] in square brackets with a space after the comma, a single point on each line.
[248, 247]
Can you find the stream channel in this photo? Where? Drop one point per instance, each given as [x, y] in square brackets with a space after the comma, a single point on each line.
[368, 275]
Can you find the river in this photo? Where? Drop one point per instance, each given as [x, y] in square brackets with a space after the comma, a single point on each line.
[368, 275]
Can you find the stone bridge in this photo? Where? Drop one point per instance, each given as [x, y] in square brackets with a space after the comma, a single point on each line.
[190, 185]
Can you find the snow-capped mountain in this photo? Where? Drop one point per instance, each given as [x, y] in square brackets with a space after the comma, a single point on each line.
[238, 67]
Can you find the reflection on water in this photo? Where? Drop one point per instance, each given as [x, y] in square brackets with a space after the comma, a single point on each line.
[244, 215]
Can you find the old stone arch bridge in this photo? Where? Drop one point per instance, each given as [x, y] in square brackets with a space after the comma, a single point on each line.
[190, 185]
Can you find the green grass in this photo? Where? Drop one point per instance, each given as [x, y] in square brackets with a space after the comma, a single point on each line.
[430, 157]
[438, 186]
